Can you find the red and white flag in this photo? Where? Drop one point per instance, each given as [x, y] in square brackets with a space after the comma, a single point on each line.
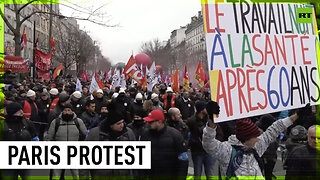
[132, 70]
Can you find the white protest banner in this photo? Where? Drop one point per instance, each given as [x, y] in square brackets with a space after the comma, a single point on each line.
[260, 59]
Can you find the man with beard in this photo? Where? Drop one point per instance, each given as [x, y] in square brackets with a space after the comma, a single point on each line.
[156, 102]
[169, 153]
[111, 129]
[185, 105]
[90, 117]
[17, 128]
[99, 100]
[67, 127]
[77, 103]
[168, 99]
[138, 125]
[43, 104]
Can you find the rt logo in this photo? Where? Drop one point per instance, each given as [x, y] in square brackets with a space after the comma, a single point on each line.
[304, 15]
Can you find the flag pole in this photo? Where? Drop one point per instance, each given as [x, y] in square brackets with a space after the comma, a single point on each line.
[34, 51]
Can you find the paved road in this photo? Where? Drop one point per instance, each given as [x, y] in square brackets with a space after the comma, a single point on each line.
[278, 170]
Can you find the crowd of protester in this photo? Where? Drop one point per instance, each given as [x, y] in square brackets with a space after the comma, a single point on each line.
[174, 122]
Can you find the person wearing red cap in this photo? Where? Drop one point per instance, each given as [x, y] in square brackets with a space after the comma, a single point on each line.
[168, 150]
[241, 154]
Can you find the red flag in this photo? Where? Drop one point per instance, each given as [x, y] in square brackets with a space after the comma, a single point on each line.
[186, 79]
[57, 71]
[175, 81]
[23, 40]
[42, 60]
[132, 70]
[52, 44]
[100, 84]
[199, 75]
[84, 76]
[14, 63]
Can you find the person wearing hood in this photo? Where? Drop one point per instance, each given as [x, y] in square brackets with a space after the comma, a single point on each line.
[77, 103]
[17, 128]
[156, 104]
[99, 100]
[43, 104]
[138, 125]
[64, 99]
[241, 154]
[185, 105]
[90, 117]
[110, 129]
[66, 127]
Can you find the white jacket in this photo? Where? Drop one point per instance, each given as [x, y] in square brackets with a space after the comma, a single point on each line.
[222, 150]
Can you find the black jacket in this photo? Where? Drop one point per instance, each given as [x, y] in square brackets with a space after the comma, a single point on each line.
[182, 128]
[186, 108]
[44, 108]
[138, 127]
[102, 133]
[89, 119]
[303, 162]
[166, 149]
[18, 130]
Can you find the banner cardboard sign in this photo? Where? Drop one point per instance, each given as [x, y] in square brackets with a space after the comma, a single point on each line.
[260, 59]
[14, 63]
[43, 61]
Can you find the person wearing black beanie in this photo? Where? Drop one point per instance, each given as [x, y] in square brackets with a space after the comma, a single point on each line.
[110, 129]
[17, 128]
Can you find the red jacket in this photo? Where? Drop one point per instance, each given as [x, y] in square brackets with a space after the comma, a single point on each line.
[54, 104]
[27, 109]
[165, 101]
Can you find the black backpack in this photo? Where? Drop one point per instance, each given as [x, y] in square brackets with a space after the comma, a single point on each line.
[75, 120]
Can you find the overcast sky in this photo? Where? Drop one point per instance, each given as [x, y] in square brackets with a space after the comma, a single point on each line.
[139, 21]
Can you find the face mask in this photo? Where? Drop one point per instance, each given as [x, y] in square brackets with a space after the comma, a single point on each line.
[67, 117]
[104, 114]
[139, 101]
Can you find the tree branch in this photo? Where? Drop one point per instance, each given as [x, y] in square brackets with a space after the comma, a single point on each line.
[25, 5]
[7, 22]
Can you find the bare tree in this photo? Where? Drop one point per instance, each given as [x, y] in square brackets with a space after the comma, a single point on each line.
[160, 53]
[93, 16]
